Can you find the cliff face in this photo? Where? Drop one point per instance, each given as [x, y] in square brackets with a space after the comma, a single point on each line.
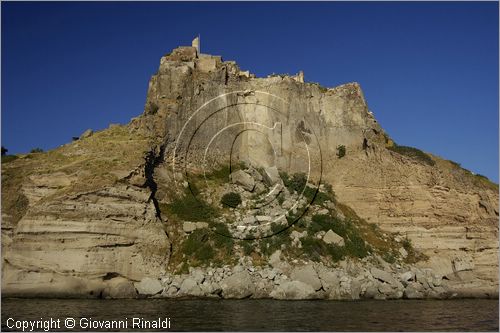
[88, 212]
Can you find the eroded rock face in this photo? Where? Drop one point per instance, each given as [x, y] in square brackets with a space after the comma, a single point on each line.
[89, 235]
[89, 220]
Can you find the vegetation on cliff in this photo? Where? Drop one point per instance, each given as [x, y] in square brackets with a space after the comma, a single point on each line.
[200, 238]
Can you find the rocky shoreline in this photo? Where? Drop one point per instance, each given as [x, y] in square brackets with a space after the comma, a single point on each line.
[349, 280]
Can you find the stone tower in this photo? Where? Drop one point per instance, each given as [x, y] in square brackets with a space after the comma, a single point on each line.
[196, 44]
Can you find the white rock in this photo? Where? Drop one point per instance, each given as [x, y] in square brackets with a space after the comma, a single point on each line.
[332, 238]
[148, 286]
[383, 276]
[188, 227]
[306, 274]
[190, 287]
[275, 258]
[406, 276]
[463, 263]
[271, 176]
[403, 252]
[201, 225]
[238, 285]
[249, 220]
[293, 290]
[243, 179]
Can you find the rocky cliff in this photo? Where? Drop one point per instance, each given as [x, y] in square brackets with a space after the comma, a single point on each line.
[95, 215]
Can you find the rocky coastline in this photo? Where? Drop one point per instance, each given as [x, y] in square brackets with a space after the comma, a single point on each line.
[349, 280]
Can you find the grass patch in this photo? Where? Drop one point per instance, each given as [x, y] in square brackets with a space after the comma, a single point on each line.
[298, 183]
[273, 243]
[9, 158]
[314, 249]
[203, 247]
[189, 208]
[248, 247]
[413, 153]
[295, 183]
[220, 174]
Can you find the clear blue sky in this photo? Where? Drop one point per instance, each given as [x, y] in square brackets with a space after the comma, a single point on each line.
[429, 71]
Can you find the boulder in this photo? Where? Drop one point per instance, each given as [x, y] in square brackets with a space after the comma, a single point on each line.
[188, 227]
[329, 280]
[371, 291]
[119, 287]
[190, 287]
[263, 218]
[385, 288]
[243, 179]
[197, 275]
[406, 276]
[403, 252]
[263, 288]
[249, 220]
[332, 238]
[355, 289]
[255, 174]
[383, 276]
[238, 285]
[306, 274]
[271, 176]
[463, 263]
[170, 292]
[201, 225]
[421, 278]
[297, 235]
[148, 286]
[413, 291]
[275, 258]
[293, 290]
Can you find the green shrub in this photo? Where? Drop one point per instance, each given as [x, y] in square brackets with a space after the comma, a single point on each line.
[204, 246]
[281, 198]
[248, 247]
[190, 208]
[195, 241]
[270, 244]
[413, 153]
[407, 245]
[295, 183]
[36, 150]
[219, 174]
[313, 195]
[222, 237]
[340, 151]
[231, 199]
[389, 257]
[356, 246]
[323, 222]
[314, 249]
